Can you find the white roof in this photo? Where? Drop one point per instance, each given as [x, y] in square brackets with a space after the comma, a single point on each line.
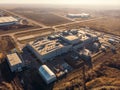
[46, 72]
[7, 19]
[71, 37]
[13, 59]
[82, 14]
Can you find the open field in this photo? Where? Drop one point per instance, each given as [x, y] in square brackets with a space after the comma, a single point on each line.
[43, 17]
[108, 24]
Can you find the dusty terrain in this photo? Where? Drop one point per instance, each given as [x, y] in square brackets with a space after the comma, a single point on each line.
[42, 16]
[103, 75]
[108, 24]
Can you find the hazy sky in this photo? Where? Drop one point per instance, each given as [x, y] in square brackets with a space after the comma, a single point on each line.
[87, 2]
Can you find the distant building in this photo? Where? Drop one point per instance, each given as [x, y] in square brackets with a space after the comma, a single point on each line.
[46, 49]
[14, 61]
[47, 75]
[7, 20]
[82, 15]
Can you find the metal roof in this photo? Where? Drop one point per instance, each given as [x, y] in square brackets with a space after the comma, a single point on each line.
[13, 59]
[46, 73]
[7, 19]
[82, 14]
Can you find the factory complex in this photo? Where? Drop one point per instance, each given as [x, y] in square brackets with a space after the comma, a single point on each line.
[59, 53]
[55, 45]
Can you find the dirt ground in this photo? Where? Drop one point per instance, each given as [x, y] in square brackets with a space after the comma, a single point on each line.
[104, 75]
[45, 18]
[110, 23]
[6, 44]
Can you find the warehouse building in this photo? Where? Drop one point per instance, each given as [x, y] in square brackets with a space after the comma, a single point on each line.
[82, 15]
[7, 20]
[46, 49]
[47, 75]
[14, 61]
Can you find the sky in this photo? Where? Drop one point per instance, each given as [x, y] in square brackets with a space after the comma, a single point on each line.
[86, 2]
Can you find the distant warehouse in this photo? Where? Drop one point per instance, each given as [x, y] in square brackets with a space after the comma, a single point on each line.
[47, 75]
[14, 62]
[82, 15]
[7, 20]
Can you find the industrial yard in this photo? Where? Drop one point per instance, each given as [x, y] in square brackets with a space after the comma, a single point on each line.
[55, 49]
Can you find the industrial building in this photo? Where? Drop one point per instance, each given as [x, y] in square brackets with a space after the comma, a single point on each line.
[82, 15]
[52, 46]
[46, 49]
[7, 20]
[14, 61]
[47, 74]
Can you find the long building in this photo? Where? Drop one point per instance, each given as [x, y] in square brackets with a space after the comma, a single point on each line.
[47, 75]
[14, 61]
[82, 15]
[46, 49]
[7, 20]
